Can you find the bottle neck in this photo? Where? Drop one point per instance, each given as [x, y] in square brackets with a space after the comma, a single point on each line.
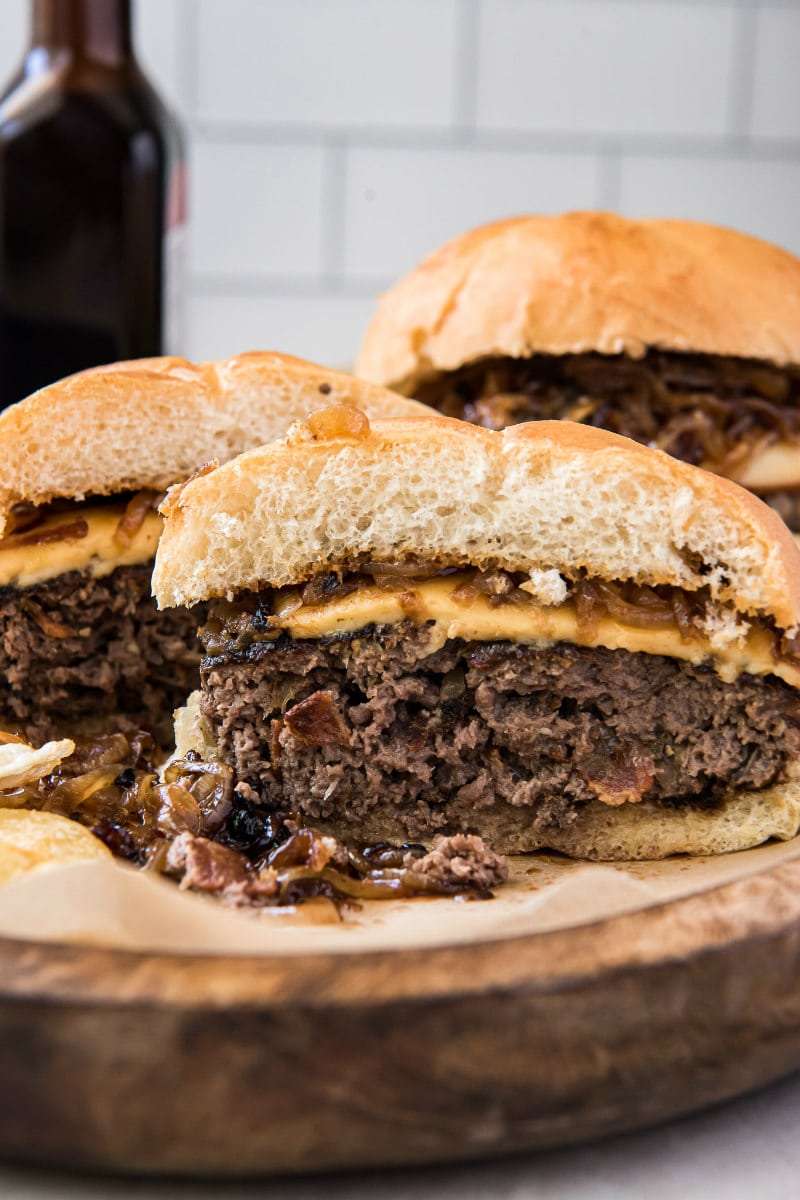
[90, 30]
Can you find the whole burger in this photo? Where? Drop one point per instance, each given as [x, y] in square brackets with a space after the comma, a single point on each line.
[680, 335]
[546, 637]
[83, 464]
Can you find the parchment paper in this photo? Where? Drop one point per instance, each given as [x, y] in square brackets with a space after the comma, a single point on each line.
[110, 904]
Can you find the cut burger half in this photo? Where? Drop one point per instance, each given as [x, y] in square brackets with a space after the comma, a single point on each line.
[681, 335]
[547, 637]
[83, 464]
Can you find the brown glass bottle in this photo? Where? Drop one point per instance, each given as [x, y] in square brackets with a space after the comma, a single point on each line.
[91, 192]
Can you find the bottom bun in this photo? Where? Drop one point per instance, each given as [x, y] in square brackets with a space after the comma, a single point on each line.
[599, 832]
[634, 832]
[626, 833]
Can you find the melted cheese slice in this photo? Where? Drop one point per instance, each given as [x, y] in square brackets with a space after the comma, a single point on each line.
[524, 621]
[97, 552]
[770, 468]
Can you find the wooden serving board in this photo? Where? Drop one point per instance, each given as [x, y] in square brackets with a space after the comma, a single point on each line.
[212, 1065]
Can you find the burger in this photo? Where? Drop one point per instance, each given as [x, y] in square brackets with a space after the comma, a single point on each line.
[680, 335]
[83, 464]
[545, 637]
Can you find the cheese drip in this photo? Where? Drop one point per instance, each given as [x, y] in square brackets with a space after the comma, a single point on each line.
[523, 621]
[97, 552]
[768, 468]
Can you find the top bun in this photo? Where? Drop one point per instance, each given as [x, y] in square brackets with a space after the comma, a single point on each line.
[153, 421]
[585, 281]
[547, 495]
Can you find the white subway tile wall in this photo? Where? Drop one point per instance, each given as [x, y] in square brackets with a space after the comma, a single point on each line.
[400, 203]
[615, 67]
[776, 92]
[319, 64]
[256, 210]
[333, 143]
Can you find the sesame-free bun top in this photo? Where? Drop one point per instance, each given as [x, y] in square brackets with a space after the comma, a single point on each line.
[153, 421]
[548, 495]
[580, 282]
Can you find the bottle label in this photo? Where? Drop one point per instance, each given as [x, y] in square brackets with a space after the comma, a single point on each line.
[175, 248]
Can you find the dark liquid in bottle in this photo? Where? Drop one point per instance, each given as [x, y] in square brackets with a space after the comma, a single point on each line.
[88, 158]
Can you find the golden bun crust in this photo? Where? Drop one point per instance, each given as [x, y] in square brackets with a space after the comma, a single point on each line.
[545, 495]
[30, 840]
[151, 422]
[585, 281]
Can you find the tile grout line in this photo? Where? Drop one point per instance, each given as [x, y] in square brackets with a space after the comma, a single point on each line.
[290, 287]
[566, 144]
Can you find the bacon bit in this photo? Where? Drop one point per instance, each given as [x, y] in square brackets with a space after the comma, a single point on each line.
[275, 727]
[497, 585]
[72, 531]
[207, 866]
[132, 519]
[50, 627]
[324, 588]
[625, 779]
[494, 583]
[466, 593]
[316, 721]
[411, 603]
[338, 421]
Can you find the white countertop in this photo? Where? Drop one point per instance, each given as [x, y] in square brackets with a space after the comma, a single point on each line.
[745, 1150]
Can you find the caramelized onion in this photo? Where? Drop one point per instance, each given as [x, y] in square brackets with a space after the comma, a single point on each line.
[24, 516]
[700, 408]
[588, 608]
[326, 587]
[110, 785]
[70, 531]
[287, 603]
[74, 793]
[49, 626]
[683, 614]
[211, 786]
[175, 809]
[646, 610]
[132, 519]
[403, 570]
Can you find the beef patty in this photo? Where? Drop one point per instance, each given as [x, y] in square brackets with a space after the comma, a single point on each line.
[367, 732]
[699, 408]
[82, 652]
